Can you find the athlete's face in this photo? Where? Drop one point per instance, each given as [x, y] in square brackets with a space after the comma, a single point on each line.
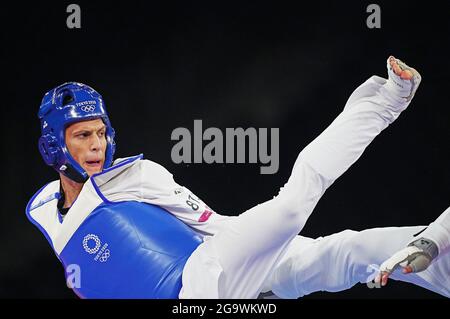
[86, 142]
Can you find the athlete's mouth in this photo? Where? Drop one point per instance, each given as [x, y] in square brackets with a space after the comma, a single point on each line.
[93, 163]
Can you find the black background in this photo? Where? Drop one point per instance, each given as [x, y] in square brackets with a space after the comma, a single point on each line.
[160, 65]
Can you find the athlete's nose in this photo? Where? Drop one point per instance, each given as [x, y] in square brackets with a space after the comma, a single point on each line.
[95, 143]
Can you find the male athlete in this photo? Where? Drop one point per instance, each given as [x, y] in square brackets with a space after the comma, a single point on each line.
[133, 232]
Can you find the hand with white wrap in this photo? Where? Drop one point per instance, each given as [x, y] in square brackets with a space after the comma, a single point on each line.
[414, 258]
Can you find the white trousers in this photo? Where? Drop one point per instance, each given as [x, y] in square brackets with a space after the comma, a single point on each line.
[238, 261]
[339, 261]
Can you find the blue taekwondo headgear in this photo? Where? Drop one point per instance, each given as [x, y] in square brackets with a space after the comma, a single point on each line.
[66, 104]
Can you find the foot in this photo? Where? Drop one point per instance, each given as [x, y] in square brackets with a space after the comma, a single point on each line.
[403, 80]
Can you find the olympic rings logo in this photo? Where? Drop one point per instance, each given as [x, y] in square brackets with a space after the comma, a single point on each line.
[102, 254]
[86, 239]
[104, 257]
[88, 108]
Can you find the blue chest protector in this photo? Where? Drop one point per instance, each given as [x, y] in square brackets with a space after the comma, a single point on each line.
[130, 250]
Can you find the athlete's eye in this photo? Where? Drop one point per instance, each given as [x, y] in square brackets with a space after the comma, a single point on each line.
[82, 135]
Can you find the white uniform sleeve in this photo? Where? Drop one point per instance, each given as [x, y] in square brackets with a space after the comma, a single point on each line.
[439, 232]
[159, 188]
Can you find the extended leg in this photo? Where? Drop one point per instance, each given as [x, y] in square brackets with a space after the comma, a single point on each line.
[235, 262]
[339, 261]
